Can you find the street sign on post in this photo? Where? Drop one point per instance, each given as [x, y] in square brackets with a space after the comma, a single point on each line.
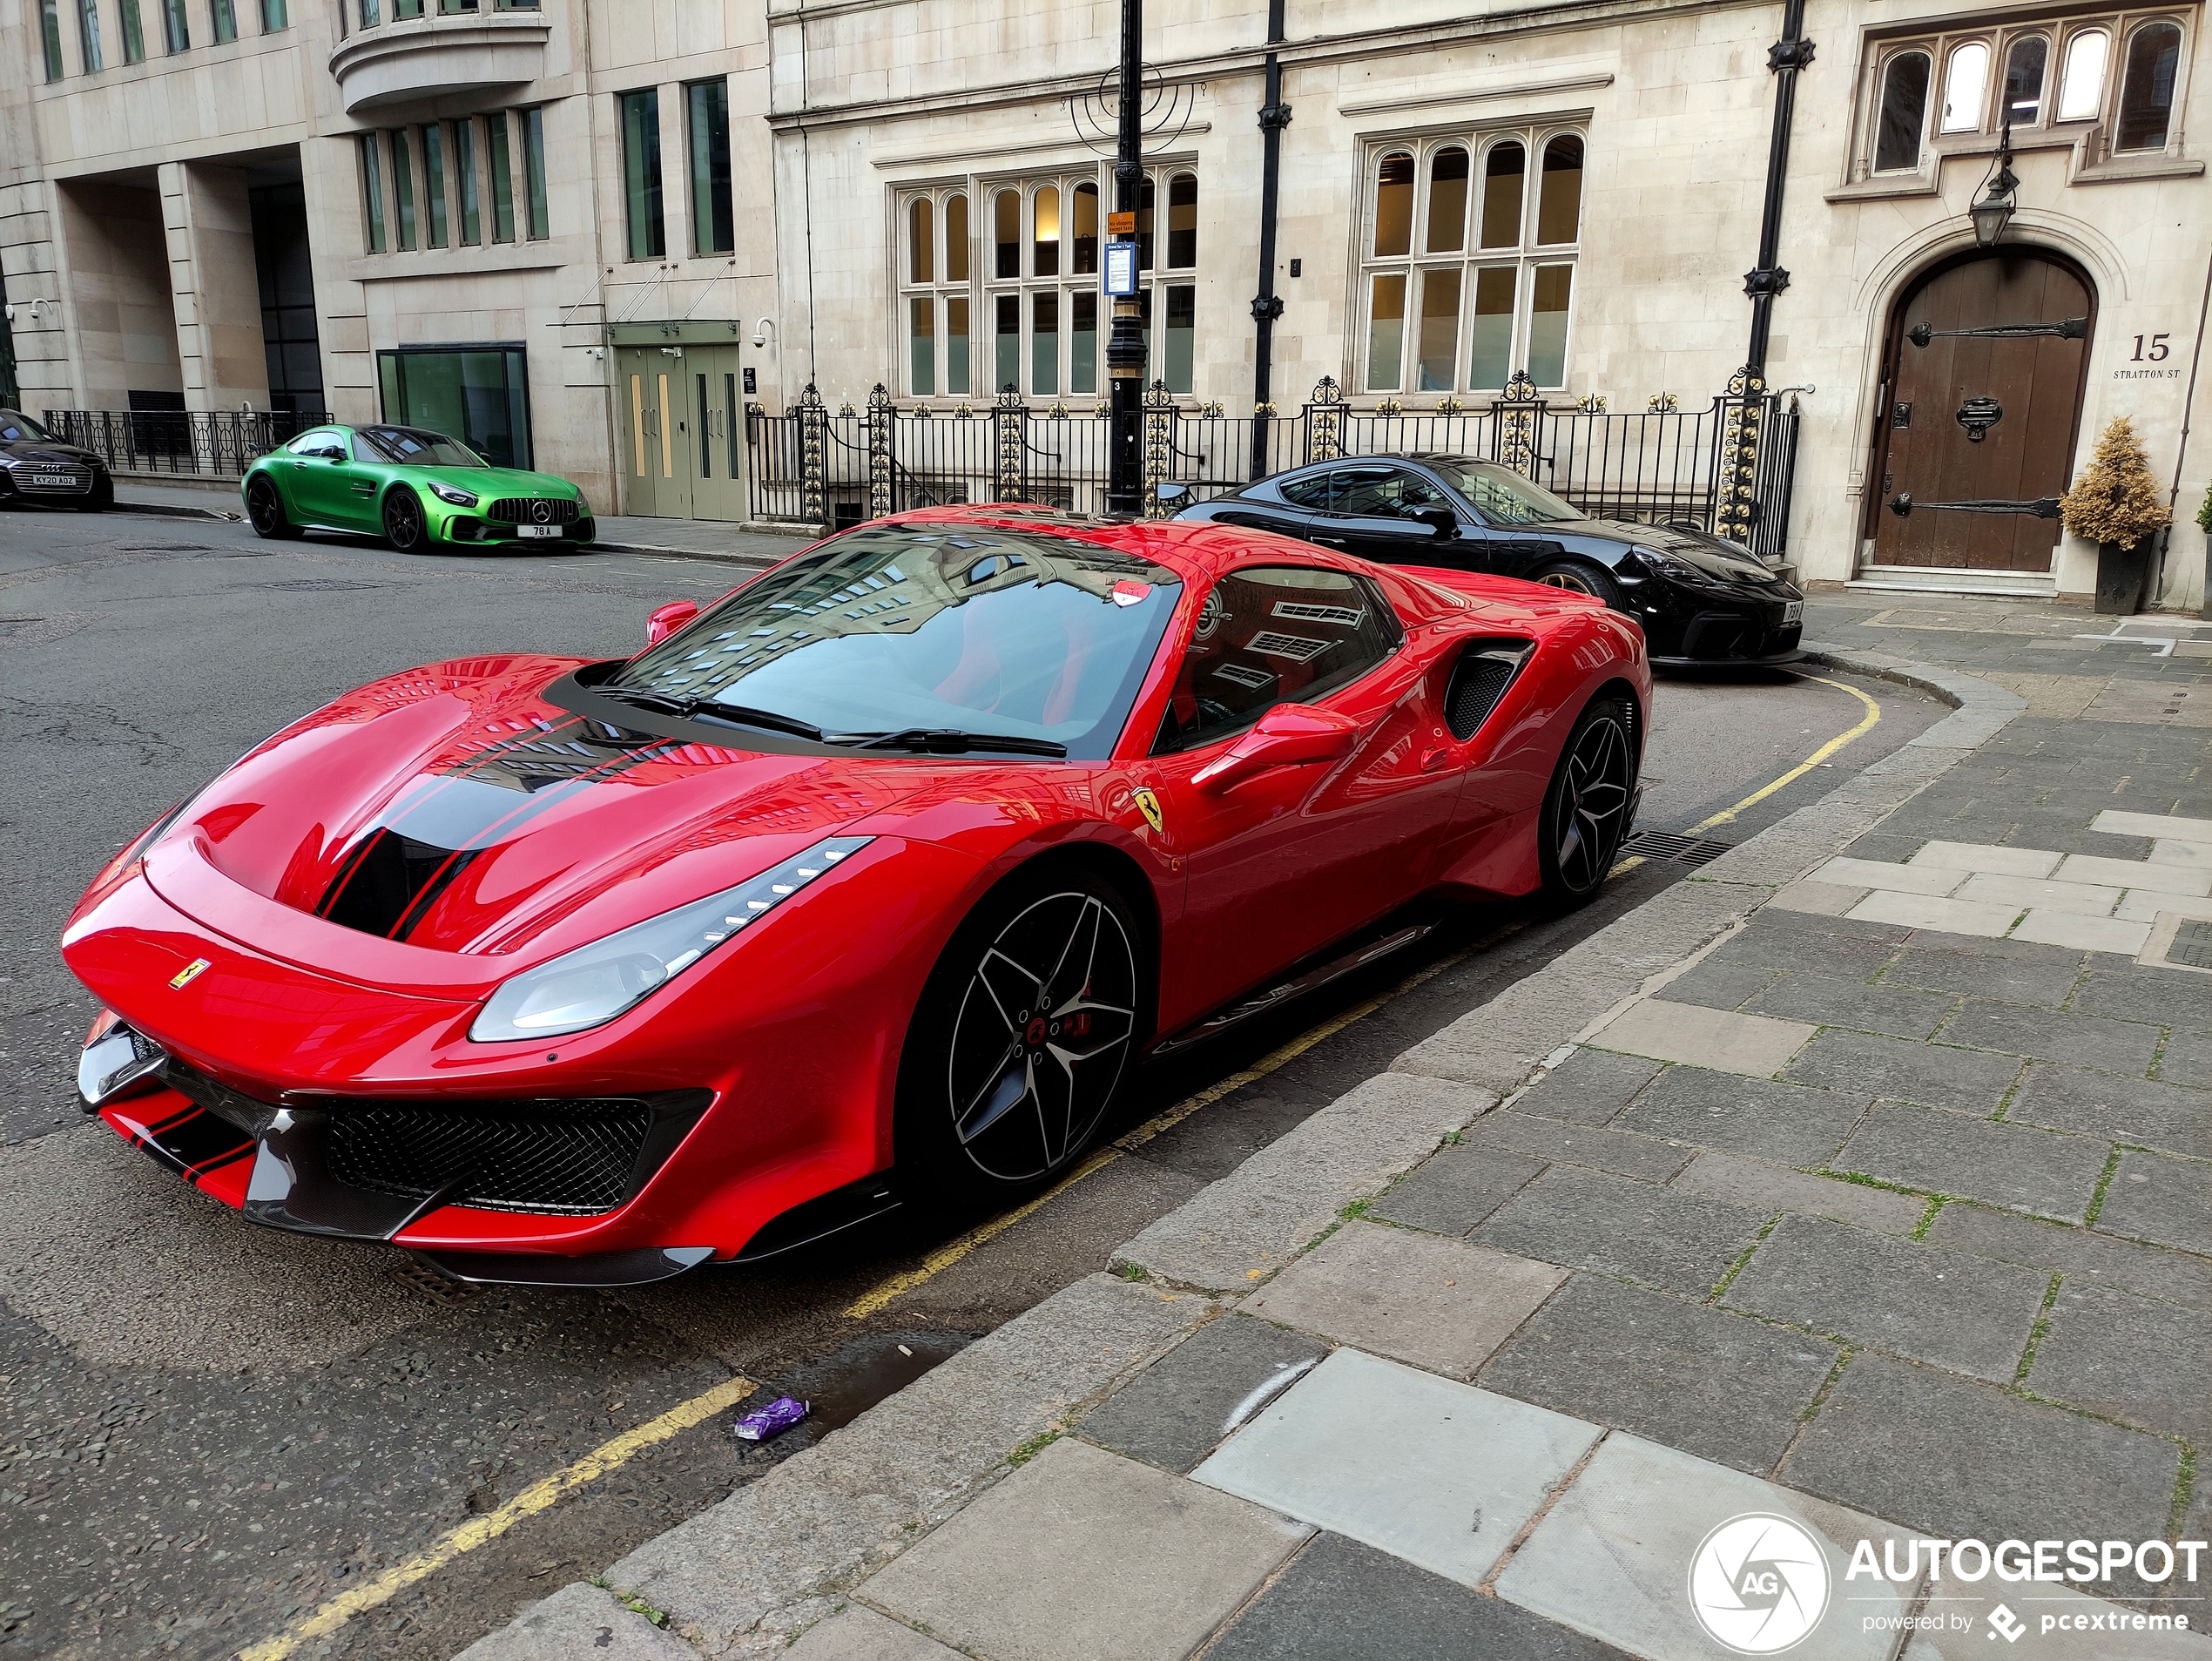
[1121, 269]
[1121, 225]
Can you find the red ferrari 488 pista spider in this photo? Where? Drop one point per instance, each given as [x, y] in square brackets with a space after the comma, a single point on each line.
[875, 878]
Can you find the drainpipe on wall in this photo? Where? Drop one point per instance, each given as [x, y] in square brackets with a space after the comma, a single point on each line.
[2181, 455]
[1789, 55]
[1267, 306]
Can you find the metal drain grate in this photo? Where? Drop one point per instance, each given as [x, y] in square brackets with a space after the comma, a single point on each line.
[1673, 846]
[2192, 945]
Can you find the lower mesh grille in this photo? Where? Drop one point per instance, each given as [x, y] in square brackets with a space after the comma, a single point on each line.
[573, 1157]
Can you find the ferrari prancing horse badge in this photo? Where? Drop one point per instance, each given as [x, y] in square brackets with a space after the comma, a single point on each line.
[1148, 805]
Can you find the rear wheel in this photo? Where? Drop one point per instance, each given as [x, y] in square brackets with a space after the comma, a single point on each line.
[1022, 1037]
[264, 509]
[1579, 577]
[1586, 809]
[403, 525]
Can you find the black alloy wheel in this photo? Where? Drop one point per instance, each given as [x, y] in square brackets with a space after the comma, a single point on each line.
[1022, 1037]
[265, 511]
[1579, 577]
[1587, 808]
[403, 526]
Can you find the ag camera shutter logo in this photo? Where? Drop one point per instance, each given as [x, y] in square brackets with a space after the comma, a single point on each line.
[1758, 1583]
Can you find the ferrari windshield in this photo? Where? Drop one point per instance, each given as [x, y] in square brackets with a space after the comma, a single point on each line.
[1504, 497]
[15, 429]
[411, 447]
[884, 633]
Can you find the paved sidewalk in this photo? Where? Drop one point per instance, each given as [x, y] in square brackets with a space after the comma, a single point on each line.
[752, 545]
[1863, 1181]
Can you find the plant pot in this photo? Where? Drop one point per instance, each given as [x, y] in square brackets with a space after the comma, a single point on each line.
[2120, 575]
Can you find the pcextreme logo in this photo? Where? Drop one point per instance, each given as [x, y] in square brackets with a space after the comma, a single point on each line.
[1758, 1583]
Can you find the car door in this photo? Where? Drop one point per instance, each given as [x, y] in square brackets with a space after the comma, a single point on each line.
[1371, 515]
[1292, 859]
[310, 471]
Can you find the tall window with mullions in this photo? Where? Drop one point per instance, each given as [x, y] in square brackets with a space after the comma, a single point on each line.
[1468, 275]
[641, 174]
[707, 121]
[49, 37]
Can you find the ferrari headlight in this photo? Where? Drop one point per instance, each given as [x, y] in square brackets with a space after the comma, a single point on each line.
[592, 985]
[453, 493]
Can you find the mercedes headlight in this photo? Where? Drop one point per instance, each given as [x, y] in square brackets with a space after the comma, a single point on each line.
[453, 493]
[592, 985]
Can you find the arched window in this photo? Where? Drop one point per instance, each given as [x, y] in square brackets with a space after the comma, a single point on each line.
[2082, 85]
[1447, 202]
[2146, 87]
[1044, 232]
[1006, 233]
[1966, 87]
[1502, 179]
[922, 249]
[1183, 221]
[1085, 230]
[1558, 211]
[956, 238]
[1905, 112]
[1394, 206]
[2024, 67]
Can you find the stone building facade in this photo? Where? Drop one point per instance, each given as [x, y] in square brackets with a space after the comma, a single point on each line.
[917, 194]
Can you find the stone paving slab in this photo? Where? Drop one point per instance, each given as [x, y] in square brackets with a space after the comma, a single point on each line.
[2078, 1040]
[1793, 1124]
[860, 1634]
[1612, 1556]
[1456, 1189]
[1753, 1182]
[1976, 856]
[2141, 1362]
[2117, 1634]
[2011, 971]
[1339, 1598]
[2187, 1060]
[1440, 1474]
[1971, 1315]
[2149, 1112]
[2036, 1170]
[2164, 1200]
[1083, 1556]
[1754, 1046]
[1828, 1001]
[1177, 1411]
[554, 1628]
[2082, 933]
[1818, 898]
[2153, 1272]
[1722, 985]
[1587, 1219]
[1968, 1080]
[1716, 1385]
[1440, 1304]
[1623, 1152]
[1955, 1459]
[1590, 1086]
[1787, 941]
[2172, 997]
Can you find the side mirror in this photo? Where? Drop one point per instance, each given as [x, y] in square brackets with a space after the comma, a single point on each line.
[1173, 498]
[1442, 521]
[1289, 735]
[668, 619]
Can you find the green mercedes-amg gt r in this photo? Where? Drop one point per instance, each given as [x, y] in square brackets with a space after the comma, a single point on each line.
[416, 489]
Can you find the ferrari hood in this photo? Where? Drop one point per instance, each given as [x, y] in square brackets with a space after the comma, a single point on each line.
[452, 808]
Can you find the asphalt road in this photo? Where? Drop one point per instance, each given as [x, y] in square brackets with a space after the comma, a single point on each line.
[208, 1431]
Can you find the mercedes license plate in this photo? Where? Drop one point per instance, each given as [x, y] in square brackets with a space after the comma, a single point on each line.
[53, 481]
[1792, 612]
[537, 531]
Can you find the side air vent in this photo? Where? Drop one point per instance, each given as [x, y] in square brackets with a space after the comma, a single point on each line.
[1478, 680]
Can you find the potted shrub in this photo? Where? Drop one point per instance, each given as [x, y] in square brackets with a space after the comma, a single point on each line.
[2114, 503]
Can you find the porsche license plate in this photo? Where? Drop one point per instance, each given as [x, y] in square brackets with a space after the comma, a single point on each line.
[1792, 612]
[537, 531]
[52, 482]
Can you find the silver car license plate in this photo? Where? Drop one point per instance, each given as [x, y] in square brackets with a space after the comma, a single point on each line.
[537, 531]
[1792, 612]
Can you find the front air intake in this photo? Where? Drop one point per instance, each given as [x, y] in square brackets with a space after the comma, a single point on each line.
[1478, 680]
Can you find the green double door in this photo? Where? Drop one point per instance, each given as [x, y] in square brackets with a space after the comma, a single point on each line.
[682, 437]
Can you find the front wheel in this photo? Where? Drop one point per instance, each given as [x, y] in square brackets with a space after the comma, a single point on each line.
[1579, 577]
[1587, 808]
[265, 511]
[1022, 1037]
[403, 525]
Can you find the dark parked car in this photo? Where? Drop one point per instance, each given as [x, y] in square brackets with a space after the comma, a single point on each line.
[1701, 599]
[35, 466]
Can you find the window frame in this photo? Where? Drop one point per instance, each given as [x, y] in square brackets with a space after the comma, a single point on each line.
[714, 221]
[1525, 257]
[651, 166]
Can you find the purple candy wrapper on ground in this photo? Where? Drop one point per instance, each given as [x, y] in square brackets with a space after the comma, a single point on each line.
[774, 1420]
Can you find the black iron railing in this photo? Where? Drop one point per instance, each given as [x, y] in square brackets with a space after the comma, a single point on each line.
[214, 443]
[1725, 468]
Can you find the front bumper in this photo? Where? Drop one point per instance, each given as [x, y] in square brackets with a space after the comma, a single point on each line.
[1701, 628]
[466, 525]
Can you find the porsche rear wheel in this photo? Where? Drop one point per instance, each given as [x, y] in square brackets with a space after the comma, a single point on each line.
[1579, 577]
[1022, 1037]
[403, 525]
[264, 508]
[1586, 810]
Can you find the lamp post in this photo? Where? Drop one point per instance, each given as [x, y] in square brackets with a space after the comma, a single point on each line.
[1125, 345]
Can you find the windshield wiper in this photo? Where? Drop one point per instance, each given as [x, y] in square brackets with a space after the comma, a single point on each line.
[948, 740]
[708, 709]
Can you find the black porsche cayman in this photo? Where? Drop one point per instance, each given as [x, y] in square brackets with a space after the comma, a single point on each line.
[1701, 600]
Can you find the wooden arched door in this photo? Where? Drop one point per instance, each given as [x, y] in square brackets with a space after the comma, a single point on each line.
[1986, 361]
